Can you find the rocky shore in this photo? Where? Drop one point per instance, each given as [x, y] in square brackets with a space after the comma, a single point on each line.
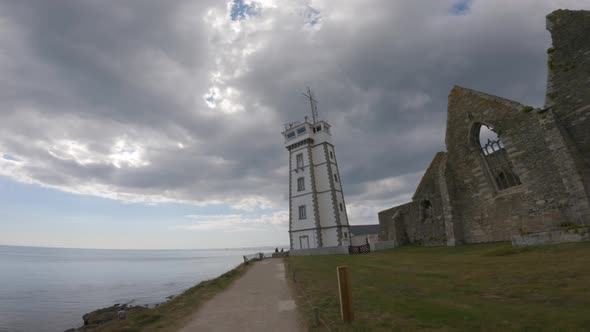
[95, 318]
[172, 313]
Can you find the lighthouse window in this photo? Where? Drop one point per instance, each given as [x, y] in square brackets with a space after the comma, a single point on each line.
[299, 160]
[335, 177]
[300, 184]
[290, 134]
[318, 128]
[301, 130]
[331, 155]
[341, 207]
[302, 212]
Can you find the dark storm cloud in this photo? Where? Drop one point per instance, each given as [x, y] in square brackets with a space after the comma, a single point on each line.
[101, 60]
[110, 98]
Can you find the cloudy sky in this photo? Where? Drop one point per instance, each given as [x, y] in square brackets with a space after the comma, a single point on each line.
[156, 124]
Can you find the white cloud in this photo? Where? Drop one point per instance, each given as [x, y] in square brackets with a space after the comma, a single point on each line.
[125, 153]
[390, 186]
[253, 203]
[235, 222]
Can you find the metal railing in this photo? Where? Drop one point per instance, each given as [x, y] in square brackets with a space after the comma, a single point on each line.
[262, 255]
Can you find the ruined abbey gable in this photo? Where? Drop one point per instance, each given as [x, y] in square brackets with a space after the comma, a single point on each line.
[509, 169]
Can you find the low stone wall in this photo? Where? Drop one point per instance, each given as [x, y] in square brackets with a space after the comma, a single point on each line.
[382, 245]
[319, 251]
[552, 237]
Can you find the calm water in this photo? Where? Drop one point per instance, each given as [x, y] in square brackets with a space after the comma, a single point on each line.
[48, 289]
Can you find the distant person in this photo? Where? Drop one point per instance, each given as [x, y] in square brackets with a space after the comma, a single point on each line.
[281, 249]
[276, 249]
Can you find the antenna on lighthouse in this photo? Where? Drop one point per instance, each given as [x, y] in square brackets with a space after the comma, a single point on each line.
[313, 104]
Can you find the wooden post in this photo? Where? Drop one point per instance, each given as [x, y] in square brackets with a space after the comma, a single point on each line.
[345, 294]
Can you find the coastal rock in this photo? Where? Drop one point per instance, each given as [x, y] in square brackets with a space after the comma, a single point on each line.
[104, 315]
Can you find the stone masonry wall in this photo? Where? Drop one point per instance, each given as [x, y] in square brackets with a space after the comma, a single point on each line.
[421, 221]
[403, 224]
[392, 223]
[429, 227]
[540, 203]
[568, 81]
[577, 207]
[568, 84]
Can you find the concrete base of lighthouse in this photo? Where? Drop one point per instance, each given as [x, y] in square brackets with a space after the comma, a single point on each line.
[340, 250]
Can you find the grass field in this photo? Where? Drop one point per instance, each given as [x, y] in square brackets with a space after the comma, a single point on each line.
[173, 314]
[484, 287]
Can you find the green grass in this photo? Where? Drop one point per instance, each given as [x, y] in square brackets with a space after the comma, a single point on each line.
[484, 287]
[175, 313]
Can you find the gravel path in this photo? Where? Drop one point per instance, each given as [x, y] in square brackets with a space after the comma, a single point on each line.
[260, 300]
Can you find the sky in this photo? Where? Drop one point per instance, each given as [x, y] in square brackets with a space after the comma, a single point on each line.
[151, 124]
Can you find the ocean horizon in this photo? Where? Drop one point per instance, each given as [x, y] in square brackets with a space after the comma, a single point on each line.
[49, 289]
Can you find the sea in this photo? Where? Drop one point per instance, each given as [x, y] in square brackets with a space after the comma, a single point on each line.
[49, 289]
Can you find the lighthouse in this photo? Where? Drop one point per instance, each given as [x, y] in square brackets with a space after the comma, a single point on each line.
[317, 211]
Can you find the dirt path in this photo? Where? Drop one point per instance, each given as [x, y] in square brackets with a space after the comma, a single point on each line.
[260, 300]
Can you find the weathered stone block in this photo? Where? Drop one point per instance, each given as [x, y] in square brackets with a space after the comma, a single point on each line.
[552, 237]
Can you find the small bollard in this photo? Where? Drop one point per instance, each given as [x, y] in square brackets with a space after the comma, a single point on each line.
[345, 294]
[316, 316]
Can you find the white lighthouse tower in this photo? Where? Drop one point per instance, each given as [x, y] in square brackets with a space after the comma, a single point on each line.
[317, 212]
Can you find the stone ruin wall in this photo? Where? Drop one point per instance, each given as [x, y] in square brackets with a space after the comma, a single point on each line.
[393, 223]
[411, 223]
[487, 214]
[568, 92]
[402, 224]
[429, 226]
[549, 150]
[568, 82]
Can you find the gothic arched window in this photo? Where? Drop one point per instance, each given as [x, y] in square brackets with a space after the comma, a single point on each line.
[496, 158]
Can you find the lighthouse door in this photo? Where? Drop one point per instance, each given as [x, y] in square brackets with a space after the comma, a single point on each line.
[304, 242]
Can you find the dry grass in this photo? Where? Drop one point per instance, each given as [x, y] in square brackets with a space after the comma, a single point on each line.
[486, 287]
